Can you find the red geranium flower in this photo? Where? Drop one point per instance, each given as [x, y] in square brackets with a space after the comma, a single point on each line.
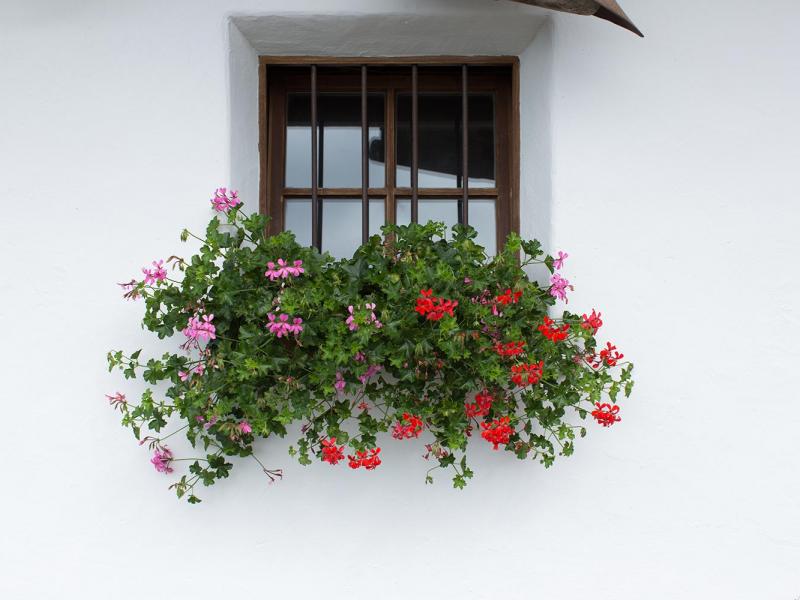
[606, 414]
[554, 334]
[411, 429]
[481, 406]
[331, 453]
[444, 307]
[592, 360]
[368, 459]
[527, 374]
[434, 308]
[593, 321]
[509, 298]
[510, 349]
[610, 356]
[425, 303]
[497, 432]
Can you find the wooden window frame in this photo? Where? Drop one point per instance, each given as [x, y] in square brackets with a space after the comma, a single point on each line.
[272, 127]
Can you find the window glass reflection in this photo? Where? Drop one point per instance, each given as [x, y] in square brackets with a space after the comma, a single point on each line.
[440, 134]
[483, 218]
[339, 138]
[297, 219]
[341, 224]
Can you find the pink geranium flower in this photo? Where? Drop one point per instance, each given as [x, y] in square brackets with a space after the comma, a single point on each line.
[371, 320]
[162, 458]
[296, 269]
[372, 370]
[370, 306]
[118, 400]
[558, 263]
[351, 320]
[340, 383]
[284, 270]
[156, 274]
[559, 287]
[281, 326]
[201, 328]
[224, 200]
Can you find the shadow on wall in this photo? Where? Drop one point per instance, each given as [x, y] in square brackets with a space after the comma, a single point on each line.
[536, 140]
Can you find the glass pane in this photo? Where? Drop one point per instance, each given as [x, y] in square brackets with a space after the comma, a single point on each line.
[440, 140]
[482, 218]
[339, 138]
[297, 219]
[444, 210]
[341, 224]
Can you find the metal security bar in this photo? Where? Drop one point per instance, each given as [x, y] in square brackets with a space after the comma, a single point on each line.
[414, 144]
[364, 158]
[463, 213]
[316, 208]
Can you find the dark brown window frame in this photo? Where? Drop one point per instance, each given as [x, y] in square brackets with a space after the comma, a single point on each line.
[415, 73]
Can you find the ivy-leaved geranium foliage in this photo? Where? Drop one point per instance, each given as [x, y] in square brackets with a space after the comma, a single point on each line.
[420, 335]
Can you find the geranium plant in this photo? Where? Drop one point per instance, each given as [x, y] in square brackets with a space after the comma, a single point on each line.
[420, 336]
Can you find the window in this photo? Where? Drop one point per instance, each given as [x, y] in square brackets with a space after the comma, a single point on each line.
[390, 145]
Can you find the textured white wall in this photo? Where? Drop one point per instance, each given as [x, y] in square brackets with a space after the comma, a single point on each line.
[667, 167]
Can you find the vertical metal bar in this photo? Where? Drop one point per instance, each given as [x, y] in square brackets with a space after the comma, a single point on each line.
[390, 148]
[364, 158]
[465, 145]
[458, 134]
[320, 153]
[414, 145]
[316, 225]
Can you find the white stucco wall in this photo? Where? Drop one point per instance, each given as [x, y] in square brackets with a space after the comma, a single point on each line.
[667, 167]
